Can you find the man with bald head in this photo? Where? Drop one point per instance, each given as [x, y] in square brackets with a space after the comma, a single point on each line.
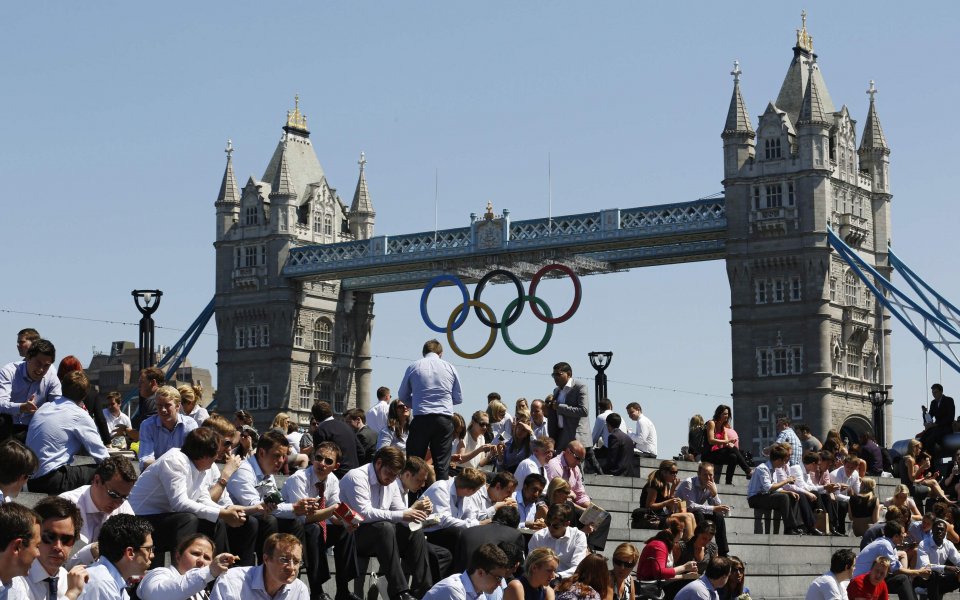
[566, 465]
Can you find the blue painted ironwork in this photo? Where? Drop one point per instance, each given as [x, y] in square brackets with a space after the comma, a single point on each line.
[901, 305]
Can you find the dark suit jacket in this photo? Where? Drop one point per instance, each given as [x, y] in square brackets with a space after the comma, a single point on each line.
[342, 435]
[619, 453]
[474, 537]
[943, 412]
[366, 444]
[576, 412]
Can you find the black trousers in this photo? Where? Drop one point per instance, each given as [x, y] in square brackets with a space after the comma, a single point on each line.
[344, 557]
[591, 464]
[728, 457]
[268, 525]
[242, 541]
[940, 584]
[436, 433]
[446, 538]
[720, 523]
[170, 528]
[780, 502]
[64, 479]
[900, 584]
[389, 542]
[440, 559]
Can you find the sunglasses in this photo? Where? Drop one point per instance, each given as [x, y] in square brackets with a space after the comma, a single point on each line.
[482, 424]
[116, 495]
[325, 460]
[673, 472]
[49, 537]
[623, 563]
[577, 456]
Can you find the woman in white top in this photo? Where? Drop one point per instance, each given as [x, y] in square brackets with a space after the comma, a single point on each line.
[398, 425]
[475, 452]
[193, 570]
[501, 422]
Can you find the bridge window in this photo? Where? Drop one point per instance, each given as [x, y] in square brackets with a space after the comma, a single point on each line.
[772, 148]
[321, 334]
[240, 336]
[317, 220]
[252, 336]
[756, 197]
[345, 345]
[760, 291]
[779, 360]
[339, 403]
[327, 225]
[305, 398]
[833, 289]
[774, 195]
[791, 198]
[252, 216]
[795, 289]
[324, 391]
[251, 397]
[851, 289]
[763, 413]
[796, 412]
[298, 336]
[853, 363]
[778, 290]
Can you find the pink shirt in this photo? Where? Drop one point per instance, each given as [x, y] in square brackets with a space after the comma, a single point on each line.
[557, 467]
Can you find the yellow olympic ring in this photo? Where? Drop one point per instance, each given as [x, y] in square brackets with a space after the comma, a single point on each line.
[453, 317]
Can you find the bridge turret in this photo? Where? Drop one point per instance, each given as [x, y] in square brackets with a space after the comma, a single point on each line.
[813, 124]
[874, 152]
[283, 197]
[361, 215]
[738, 136]
[228, 200]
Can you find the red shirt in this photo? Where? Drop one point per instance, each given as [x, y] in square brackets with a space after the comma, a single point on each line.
[650, 570]
[860, 588]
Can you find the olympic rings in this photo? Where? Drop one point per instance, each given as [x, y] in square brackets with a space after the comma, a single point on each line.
[518, 306]
[426, 294]
[546, 335]
[577, 293]
[510, 315]
[477, 305]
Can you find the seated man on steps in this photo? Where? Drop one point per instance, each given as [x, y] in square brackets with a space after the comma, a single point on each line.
[899, 579]
[703, 500]
[541, 451]
[449, 498]
[765, 494]
[566, 466]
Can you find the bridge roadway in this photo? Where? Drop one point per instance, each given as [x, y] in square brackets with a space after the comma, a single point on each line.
[778, 566]
[603, 241]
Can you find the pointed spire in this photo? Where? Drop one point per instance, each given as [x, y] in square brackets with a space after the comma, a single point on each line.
[873, 138]
[296, 120]
[361, 198]
[738, 121]
[804, 39]
[229, 192]
[282, 184]
[812, 109]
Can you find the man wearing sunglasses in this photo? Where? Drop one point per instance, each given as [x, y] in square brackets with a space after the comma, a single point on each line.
[59, 528]
[322, 529]
[97, 502]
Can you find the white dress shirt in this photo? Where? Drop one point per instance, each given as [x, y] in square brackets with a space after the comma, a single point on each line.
[104, 582]
[448, 506]
[248, 486]
[937, 557]
[478, 507]
[571, 548]
[362, 492]
[540, 430]
[166, 583]
[303, 484]
[502, 427]
[377, 415]
[247, 583]
[173, 484]
[470, 444]
[840, 476]
[34, 584]
[826, 587]
[199, 414]
[93, 520]
[526, 467]
[645, 436]
[12, 592]
[454, 587]
[115, 421]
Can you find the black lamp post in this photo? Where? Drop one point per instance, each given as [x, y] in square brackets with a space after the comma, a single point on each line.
[147, 302]
[878, 398]
[600, 361]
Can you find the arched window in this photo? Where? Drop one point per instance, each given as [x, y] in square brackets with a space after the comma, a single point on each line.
[327, 225]
[851, 289]
[321, 334]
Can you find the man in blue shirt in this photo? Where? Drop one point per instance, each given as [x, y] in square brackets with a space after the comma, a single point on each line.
[431, 387]
[764, 494]
[488, 567]
[899, 578]
[785, 434]
[58, 431]
[164, 430]
[705, 588]
[126, 549]
[25, 385]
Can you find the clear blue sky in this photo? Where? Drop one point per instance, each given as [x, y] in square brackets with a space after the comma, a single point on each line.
[115, 116]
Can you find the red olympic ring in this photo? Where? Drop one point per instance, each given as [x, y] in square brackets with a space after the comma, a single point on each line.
[577, 293]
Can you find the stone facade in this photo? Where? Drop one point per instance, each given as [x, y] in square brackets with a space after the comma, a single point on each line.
[284, 343]
[808, 340]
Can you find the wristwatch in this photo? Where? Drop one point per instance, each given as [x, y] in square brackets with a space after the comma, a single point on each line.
[222, 482]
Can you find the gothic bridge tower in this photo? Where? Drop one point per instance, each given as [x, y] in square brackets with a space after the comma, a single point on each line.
[284, 343]
[809, 341]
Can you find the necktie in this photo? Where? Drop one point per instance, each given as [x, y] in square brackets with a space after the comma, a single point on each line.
[543, 471]
[321, 488]
[52, 585]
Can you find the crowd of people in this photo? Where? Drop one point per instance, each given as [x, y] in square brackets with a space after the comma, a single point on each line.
[491, 507]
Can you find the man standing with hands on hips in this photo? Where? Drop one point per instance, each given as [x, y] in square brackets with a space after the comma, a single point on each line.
[431, 387]
[568, 413]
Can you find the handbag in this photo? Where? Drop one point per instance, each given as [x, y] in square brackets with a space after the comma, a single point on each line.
[645, 518]
[649, 590]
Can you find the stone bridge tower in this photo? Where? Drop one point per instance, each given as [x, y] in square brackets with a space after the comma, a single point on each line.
[284, 343]
[809, 341]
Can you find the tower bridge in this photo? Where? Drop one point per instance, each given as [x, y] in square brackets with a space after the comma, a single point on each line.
[297, 267]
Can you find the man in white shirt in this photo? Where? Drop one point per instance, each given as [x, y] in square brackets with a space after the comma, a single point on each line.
[706, 586]
[527, 497]
[645, 436]
[448, 498]
[322, 529]
[253, 487]
[377, 415]
[19, 545]
[372, 492]
[569, 543]
[117, 422]
[277, 577]
[126, 549]
[942, 557]
[541, 451]
[538, 421]
[97, 502]
[499, 492]
[172, 496]
[848, 479]
[830, 585]
[59, 527]
[488, 567]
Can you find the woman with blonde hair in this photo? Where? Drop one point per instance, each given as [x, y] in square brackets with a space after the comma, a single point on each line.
[864, 508]
[902, 500]
[539, 570]
[659, 495]
[501, 423]
[913, 470]
[190, 397]
[625, 559]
